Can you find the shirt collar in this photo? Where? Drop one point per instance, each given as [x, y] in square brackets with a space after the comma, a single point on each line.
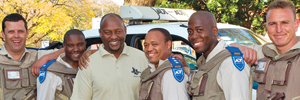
[60, 60]
[104, 52]
[273, 47]
[3, 51]
[219, 47]
[152, 66]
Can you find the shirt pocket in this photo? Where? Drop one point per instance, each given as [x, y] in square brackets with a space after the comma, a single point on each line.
[281, 72]
[12, 78]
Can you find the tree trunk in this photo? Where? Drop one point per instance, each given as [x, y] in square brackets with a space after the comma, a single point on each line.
[149, 3]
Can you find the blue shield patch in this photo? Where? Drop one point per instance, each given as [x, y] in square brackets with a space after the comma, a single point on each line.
[42, 76]
[43, 70]
[238, 62]
[178, 74]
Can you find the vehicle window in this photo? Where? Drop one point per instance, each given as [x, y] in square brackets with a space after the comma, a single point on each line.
[236, 36]
[188, 53]
[191, 62]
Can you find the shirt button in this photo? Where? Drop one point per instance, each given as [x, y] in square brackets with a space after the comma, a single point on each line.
[276, 57]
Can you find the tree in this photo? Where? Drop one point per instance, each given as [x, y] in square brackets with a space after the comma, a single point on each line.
[168, 4]
[49, 19]
[102, 7]
[149, 3]
[247, 13]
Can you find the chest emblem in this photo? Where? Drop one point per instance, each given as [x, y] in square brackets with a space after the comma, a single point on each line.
[135, 71]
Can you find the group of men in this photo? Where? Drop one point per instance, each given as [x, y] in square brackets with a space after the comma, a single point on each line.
[158, 73]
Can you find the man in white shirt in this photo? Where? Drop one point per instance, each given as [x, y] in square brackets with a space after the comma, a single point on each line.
[159, 81]
[60, 75]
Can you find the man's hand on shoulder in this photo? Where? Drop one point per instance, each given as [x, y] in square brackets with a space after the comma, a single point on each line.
[35, 70]
[186, 68]
[249, 55]
[84, 59]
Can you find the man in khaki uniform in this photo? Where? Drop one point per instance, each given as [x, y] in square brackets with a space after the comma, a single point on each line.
[277, 73]
[114, 70]
[16, 82]
[278, 68]
[60, 75]
[219, 76]
[163, 79]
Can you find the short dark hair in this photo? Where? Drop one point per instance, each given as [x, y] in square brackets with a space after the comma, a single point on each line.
[165, 32]
[110, 14]
[14, 17]
[282, 4]
[73, 32]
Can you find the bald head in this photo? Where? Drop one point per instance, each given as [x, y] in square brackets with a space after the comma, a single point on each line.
[203, 32]
[204, 16]
[111, 15]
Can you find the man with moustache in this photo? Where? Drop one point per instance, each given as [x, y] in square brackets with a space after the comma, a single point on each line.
[219, 76]
[278, 64]
[109, 75]
[60, 75]
[157, 81]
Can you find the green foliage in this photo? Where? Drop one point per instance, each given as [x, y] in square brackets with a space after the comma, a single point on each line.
[247, 13]
[169, 4]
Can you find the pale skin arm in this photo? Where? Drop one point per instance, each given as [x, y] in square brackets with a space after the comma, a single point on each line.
[35, 70]
[249, 55]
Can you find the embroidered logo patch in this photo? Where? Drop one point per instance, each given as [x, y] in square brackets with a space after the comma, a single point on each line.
[237, 57]
[238, 62]
[177, 72]
[135, 71]
[43, 70]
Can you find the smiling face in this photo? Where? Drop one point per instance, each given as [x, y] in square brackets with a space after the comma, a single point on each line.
[282, 26]
[156, 47]
[202, 33]
[15, 35]
[113, 34]
[74, 45]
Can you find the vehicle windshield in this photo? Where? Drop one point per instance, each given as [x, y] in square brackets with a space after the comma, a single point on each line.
[184, 49]
[236, 36]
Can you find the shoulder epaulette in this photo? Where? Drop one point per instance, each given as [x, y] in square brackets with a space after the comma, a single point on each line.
[43, 70]
[237, 57]
[177, 72]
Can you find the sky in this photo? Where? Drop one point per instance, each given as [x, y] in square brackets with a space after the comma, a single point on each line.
[119, 2]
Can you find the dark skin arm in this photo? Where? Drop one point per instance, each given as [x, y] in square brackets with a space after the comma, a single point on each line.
[84, 59]
[186, 68]
[35, 70]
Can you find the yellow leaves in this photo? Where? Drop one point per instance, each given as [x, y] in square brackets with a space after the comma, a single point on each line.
[50, 18]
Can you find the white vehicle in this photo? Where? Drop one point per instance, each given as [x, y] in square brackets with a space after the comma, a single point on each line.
[136, 31]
